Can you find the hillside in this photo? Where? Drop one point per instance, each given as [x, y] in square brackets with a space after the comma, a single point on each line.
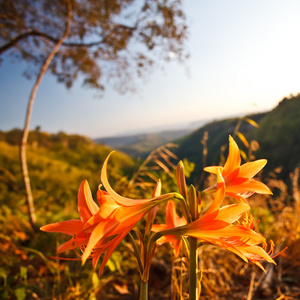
[57, 164]
[278, 137]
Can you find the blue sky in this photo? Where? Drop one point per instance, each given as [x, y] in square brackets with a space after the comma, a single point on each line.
[245, 57]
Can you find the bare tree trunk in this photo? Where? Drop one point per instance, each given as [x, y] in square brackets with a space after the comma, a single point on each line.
[30, 203]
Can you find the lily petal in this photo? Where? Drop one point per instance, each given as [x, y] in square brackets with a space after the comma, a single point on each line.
[118, 198]
[250, 169]
[220, 193]
[258, 253]
[231, 213]
[86, 205]
[218, 231]
[102, 229]
[72, 244]
[109, 252]
[70, 227]
[213, 170]
[234, 158]
[107, 204]
[249, 185]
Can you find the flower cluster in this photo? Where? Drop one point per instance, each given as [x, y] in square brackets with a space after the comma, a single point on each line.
[219, 224]
[103, 226]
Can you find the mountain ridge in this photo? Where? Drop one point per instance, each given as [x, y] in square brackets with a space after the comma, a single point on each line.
[278, 137]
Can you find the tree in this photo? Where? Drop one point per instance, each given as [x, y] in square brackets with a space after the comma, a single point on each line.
[99, 45]
[24, 140]
[110, 39]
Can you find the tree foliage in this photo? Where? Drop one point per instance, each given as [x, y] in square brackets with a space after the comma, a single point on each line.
[115, 39]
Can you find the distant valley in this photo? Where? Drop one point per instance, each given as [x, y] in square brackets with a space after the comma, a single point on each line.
[141, 145]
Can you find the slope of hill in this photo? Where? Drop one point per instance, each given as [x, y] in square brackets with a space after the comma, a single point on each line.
[278, 136]
[57, 164]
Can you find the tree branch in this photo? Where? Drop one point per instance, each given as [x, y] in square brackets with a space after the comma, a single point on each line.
[25, 35]
[22, 36]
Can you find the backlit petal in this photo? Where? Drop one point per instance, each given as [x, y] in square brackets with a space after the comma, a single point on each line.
[231, 213]
[101, 230]
[152, 213]
[117, 240]
[229, 247]
[107, 204]
[249, 185]
[250, 169]
[70, 227]
[233, 161]
[213, 170]
[92, 222]
[220, 193]
[256, 250]
[171, 214]
[72, 244]
[176, 243]
[86, 205]
[225, 232]
[119, 199]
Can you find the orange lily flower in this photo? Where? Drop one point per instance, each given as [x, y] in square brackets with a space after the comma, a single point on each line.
[172, 220]
[112, 221]
[115, 218]
[101, 232]
[216, 227]
[238, 178]
[251, 250]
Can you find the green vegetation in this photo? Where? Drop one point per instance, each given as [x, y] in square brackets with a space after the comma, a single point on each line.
[58, 163]
[278, 138]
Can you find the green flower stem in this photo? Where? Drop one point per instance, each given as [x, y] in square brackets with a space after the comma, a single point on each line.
[144, 290]
[185, 208]
[176, 196]
[186, 211]
[193, 271]
[136, 252]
